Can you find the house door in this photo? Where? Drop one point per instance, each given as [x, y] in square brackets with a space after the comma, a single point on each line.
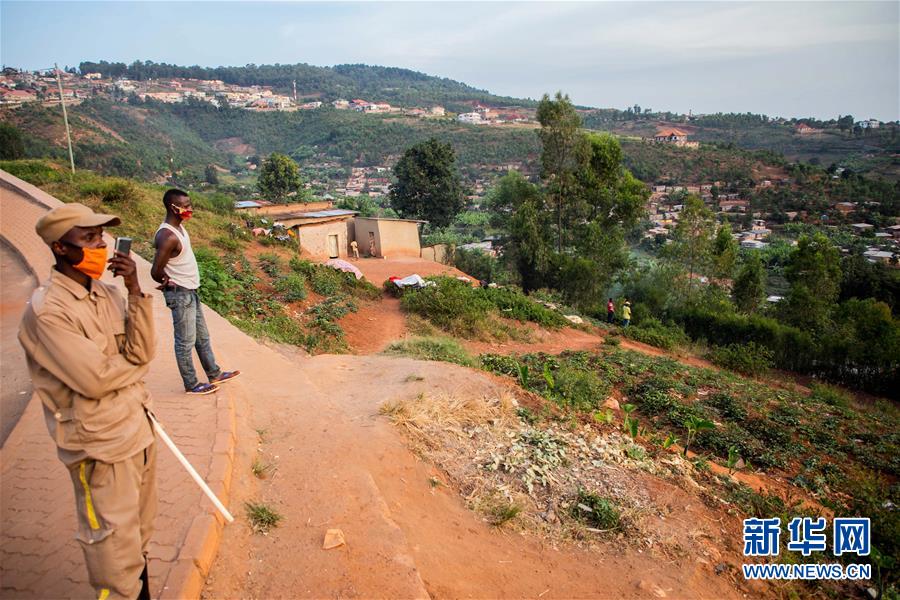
[333, 246]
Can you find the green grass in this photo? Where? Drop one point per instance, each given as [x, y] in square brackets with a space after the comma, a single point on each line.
[262, 518]
[596, 511]
[261, 469]
[432, 348]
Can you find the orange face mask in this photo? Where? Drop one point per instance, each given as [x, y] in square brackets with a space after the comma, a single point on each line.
[93, 263]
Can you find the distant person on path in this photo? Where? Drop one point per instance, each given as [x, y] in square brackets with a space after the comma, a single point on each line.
[88, 352]
[175, 268]
[626, 313]
[355, 248]
[610, 311]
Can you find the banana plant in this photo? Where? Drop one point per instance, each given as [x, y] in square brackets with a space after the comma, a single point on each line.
[523, 376]
[669, 441]
[629, 424]
[695, 424]
[733, 458]
[548, 377]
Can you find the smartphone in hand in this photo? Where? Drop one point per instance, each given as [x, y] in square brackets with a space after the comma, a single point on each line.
[123, 245]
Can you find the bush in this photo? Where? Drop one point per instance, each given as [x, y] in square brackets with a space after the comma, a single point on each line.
[452, 305]
[217, 289]
[516, 305]
[654, 332]
[728, 406]
[36, 172]
[830, 395]
[579, 389]
[326, 281]
[113, 190]
[432, 348]
[270, 263]
[392, 289]
[229, 244]
[500, 363]
[292, 287]
[596, 511]
[476, 263]
[749, 358]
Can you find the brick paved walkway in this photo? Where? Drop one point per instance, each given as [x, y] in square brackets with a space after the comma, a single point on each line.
[39, 557]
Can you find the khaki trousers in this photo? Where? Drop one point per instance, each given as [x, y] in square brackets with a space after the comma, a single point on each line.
[116, 504]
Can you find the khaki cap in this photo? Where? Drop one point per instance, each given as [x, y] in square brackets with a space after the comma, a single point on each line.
[57, 223]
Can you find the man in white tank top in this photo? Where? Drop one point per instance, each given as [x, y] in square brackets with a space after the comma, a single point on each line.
[175, 268]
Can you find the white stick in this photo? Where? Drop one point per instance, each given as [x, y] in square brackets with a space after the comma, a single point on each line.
[193, 473]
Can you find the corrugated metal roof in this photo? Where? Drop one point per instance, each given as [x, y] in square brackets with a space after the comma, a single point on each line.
[324, 213]
[247, 204]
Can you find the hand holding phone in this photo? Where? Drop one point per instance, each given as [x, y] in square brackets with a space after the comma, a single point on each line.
[121, 264]
[123, 245]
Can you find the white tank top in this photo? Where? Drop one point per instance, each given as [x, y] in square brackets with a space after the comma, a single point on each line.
[182, 269]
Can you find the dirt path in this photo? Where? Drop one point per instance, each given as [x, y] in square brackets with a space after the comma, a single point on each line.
[341, 465]
[374, 326]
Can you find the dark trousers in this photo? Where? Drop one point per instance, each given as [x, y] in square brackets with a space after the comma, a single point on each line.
[610, 316]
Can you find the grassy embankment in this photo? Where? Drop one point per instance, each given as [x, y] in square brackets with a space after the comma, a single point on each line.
[275, 295]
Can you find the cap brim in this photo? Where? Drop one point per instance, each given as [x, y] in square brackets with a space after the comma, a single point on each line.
[98, 220]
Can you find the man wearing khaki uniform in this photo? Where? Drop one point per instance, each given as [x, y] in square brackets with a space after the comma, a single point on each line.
[88, 351]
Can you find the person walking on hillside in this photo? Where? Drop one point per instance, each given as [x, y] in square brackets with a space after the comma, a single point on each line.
[610, 311]
[626, 313]
[175, 268]
[88, 351]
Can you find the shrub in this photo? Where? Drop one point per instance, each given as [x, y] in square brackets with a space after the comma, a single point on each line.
[654, 332]
[303, 267]
[596, 511]
[749, 358]
[229, 244]
[432, 348]
[516, 305]
[36, 172]
[326, 281]
[113, 190]
[579, 389]
[499, 363]
[392, 289]
[270, 263]
[451, 305]
[476, 263]
[728, 406]
[292, 287]
[830, 395]
[217, 289]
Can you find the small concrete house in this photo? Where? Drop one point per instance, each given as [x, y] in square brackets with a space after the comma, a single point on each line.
[321, 234]
[387, 238]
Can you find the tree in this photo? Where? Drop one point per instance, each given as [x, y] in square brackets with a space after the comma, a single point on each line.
[517, 206]
[693, 237]
[724, 252]
[279, 177]
[605, 192]
[750, 285]
[564, 151]
[212, 175]
[428, 184]
[814, 272]
[11, 145]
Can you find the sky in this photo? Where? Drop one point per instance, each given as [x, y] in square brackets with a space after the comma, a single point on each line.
[791, 59]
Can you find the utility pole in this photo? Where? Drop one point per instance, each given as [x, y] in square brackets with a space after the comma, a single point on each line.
[62, 102]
